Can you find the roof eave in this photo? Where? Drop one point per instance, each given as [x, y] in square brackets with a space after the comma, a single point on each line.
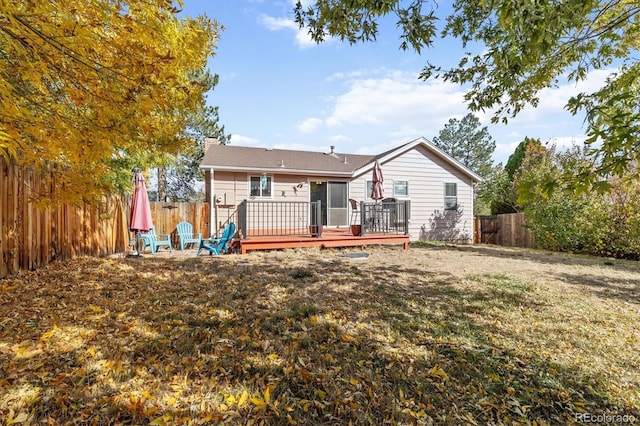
[409, 146]
[278, 170]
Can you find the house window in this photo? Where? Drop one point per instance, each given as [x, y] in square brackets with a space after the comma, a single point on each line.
[260, 186]
[451, 196]
[401, 188]
[368, 189]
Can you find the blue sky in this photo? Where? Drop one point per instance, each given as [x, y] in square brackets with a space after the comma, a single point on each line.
[278, 89]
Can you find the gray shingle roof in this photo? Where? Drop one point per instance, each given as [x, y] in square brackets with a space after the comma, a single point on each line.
[228, 157]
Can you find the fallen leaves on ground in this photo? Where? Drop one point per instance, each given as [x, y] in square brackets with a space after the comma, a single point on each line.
[308, 337]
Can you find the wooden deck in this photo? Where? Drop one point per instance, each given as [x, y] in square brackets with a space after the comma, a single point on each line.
[340, 237]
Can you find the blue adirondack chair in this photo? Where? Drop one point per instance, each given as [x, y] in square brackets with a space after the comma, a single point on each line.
[187, 236]
[219, 245]
[154, 241]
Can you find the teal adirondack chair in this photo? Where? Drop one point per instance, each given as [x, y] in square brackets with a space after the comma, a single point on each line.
[219, 245]
[154, 241]
[187, 236]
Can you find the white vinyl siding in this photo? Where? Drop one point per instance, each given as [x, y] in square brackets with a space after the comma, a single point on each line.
[426, 174]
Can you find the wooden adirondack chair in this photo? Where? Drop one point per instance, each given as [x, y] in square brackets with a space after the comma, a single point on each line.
[187, 236]
[219, 245]
[154, 241]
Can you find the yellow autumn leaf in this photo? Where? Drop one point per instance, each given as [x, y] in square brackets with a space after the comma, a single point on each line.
[259, 403]
[50, 333]
[243, 398]
[230, 399]
[160, 421]
[436, 371]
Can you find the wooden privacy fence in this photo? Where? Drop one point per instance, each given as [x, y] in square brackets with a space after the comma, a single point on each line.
[167, 215]
[504, 230]
[31, 236]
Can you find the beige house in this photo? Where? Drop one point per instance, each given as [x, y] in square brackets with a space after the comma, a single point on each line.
[439, 190]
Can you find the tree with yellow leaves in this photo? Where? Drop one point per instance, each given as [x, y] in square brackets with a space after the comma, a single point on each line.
[86, 85]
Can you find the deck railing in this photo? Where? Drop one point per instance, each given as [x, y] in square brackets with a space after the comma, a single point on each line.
[279, 218]
[283, 218]
[385, 217]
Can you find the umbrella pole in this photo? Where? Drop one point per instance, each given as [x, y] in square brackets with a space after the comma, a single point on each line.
[136, 253]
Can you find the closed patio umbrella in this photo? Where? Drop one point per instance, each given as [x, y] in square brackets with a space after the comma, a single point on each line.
[377, 194]
[140, 215]
[377, 190]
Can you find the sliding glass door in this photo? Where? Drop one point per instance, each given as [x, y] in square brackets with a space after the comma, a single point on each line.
[334, 197]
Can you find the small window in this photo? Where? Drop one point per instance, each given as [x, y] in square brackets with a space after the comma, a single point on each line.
[451, 196]
[369, 188]
[260, 186]
[400, 188]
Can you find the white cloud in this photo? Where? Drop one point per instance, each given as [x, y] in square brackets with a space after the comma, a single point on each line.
[275, 24]
[296, 146]
[309, 125]
[302, 38]
[553, 100]
[396, 99]
[401, 108]
[240, 140]
[339, 138]
[568, 142]
[228, 77]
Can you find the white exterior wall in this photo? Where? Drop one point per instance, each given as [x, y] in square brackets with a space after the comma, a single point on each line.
[426, 174]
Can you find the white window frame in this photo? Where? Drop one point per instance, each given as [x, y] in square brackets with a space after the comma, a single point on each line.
[449, 198]
[260, 197]
[396, 195]
[368, 187]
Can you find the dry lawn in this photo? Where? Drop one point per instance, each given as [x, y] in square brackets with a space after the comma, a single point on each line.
[432, 335]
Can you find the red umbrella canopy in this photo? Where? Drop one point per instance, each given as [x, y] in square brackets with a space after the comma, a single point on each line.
[140, 219]
[377, 191]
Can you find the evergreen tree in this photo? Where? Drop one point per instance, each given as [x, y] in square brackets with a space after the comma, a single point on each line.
[468, 143]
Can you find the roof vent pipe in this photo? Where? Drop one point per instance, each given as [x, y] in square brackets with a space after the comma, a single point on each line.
[332, 149]
[345, 159]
